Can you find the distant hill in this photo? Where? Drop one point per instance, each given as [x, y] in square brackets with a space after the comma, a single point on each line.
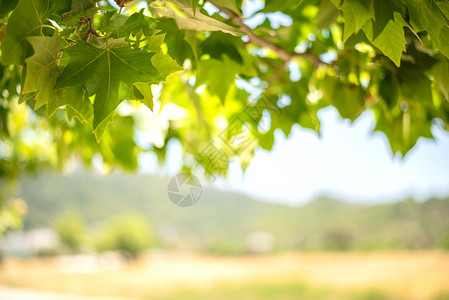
[221, 220]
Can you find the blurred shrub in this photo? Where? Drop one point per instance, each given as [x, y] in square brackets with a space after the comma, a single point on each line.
[71, 230]
[338, 240]
[445, 242]
[441, 296]
[230, 248]
[130, 233]
[11, 215]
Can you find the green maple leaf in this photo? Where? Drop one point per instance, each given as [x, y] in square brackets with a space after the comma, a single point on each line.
[108, 73]
[219, 76]
[155, 42]
[42, 68]
[79, 8]
[78, 105]
[26, 20]
[121, 26]
[229, 4]
[187, 18]
[76, 101]
[384, 11]
[101, 128]
[431, 16]
[404, 130]
[441, 73]
[143, 93]
[356, 13]
[391, 40]
[164, 64]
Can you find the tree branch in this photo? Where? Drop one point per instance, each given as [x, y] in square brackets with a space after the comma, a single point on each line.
[260, 41]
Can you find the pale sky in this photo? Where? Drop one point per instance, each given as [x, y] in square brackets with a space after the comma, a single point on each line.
[348, 162]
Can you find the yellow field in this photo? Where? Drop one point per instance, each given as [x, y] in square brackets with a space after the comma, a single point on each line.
[400, 275]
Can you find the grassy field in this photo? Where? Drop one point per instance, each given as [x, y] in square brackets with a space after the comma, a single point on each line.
[386, 275]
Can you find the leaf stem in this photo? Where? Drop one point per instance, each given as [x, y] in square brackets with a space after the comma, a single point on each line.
[91, 29]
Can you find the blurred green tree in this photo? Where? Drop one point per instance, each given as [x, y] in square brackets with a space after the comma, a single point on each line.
[129, 233]
[71, 230]
[12, 215]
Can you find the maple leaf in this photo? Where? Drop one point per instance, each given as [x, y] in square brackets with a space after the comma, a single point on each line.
[109, 73]
[42, 68]
[26, 20]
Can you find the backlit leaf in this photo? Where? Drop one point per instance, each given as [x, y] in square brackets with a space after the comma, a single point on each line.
[103, 71]
[185, 17]
[42, 68]
[26, 20]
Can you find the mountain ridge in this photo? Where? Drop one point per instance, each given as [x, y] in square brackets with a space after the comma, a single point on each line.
[227, 217]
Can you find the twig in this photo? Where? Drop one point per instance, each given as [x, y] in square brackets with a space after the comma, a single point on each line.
[91, 29]
[255, 39]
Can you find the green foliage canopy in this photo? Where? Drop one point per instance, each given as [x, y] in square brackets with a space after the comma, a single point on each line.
[76, 74]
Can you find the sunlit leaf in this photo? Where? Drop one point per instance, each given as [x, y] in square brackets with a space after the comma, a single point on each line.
[24, 22]
[185, 17]
[42, 68]
[102, 71]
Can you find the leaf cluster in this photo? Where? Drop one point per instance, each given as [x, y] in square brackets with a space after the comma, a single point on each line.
[88, 59]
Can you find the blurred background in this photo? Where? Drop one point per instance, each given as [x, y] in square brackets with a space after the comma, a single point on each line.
[334, 215]
[329, 217]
